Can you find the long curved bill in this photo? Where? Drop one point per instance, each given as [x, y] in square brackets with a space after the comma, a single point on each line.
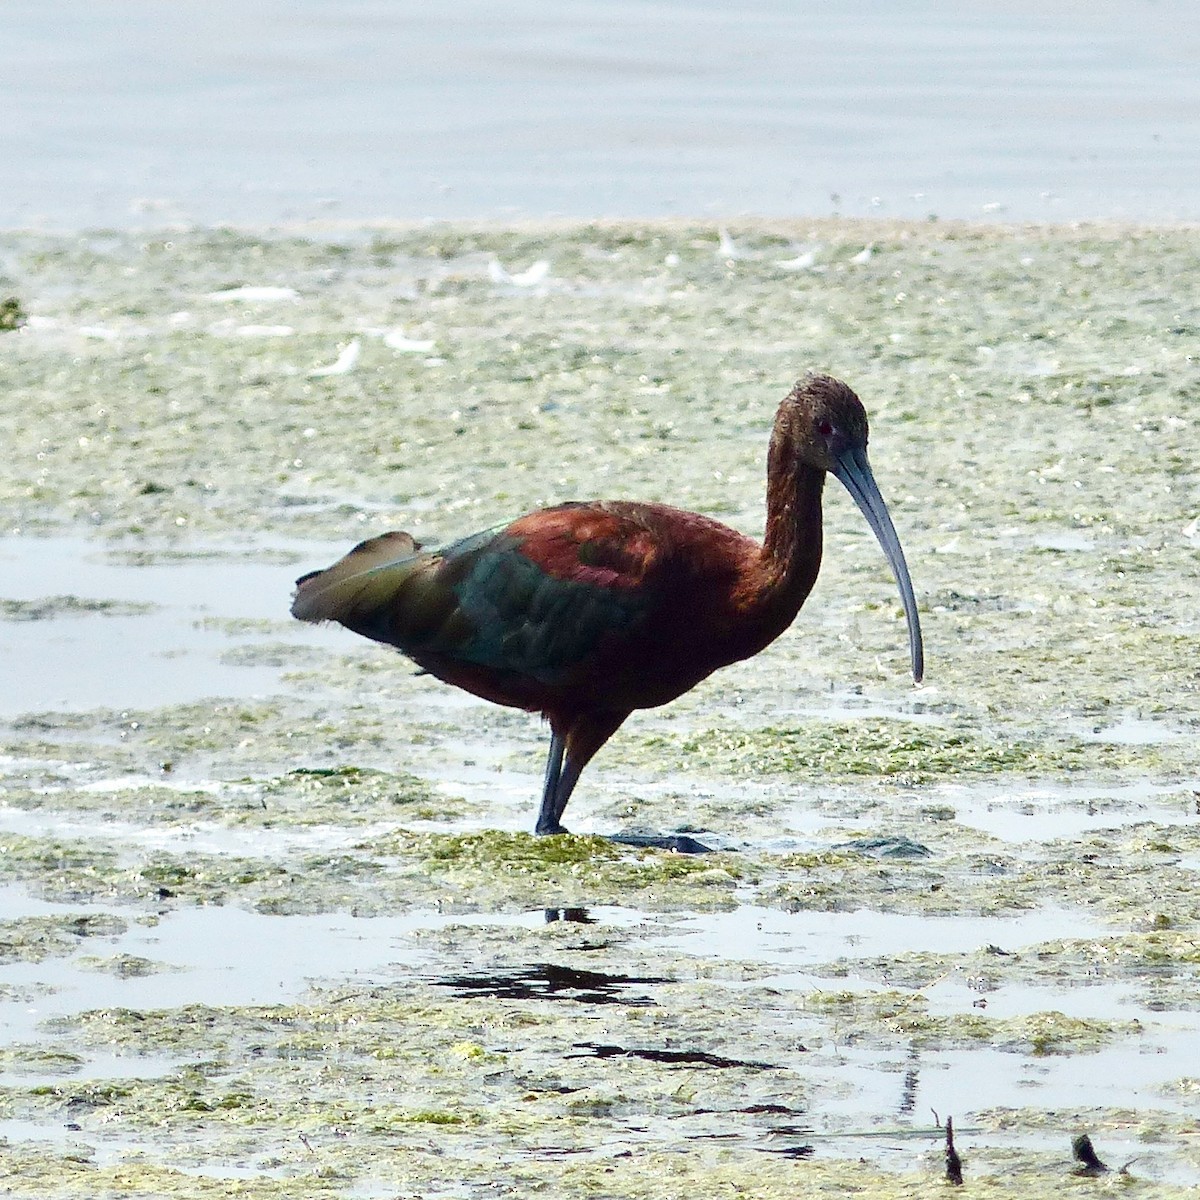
[854, 471]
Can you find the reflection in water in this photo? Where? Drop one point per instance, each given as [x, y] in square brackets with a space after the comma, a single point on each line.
[549, 981]
[578, 915]
[954, 1172]
[1084, 1153]
[912, 1080]
[695, 1058]
[804, 1150]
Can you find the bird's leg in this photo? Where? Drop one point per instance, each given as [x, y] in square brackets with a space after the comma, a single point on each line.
[584, 738]
[586, 735]
[550, 812]
[569, 754]
[566, 785]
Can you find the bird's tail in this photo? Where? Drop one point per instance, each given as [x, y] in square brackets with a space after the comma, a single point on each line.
[357, 590]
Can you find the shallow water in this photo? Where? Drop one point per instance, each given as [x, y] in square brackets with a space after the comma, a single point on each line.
[174, 653]
[222, 955]
[783, 939]
[229, 957]
[217, 112]
[264, 882]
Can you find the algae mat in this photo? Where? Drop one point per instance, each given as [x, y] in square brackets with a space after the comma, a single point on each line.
[272, 921]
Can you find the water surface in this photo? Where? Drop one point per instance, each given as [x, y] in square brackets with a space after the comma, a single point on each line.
[136, 113]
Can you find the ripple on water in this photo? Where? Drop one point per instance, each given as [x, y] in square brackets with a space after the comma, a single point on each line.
[222, 956]
[809, 938]
[77, 661]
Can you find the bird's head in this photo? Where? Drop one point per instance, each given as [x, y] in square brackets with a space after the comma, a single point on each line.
[821, 419]
[823, 424]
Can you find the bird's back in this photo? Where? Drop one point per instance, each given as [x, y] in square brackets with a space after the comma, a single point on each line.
[598, 605]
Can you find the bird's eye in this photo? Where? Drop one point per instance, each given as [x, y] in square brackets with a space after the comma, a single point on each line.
[825, 429]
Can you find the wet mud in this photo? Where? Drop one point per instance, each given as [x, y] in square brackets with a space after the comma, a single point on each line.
[271, 918]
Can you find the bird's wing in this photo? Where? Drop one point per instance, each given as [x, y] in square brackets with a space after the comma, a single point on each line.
[533, 598]
[542, 595]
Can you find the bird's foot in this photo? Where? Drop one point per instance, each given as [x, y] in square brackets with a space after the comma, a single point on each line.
[887, 847]
[548, 828]
[681, 843]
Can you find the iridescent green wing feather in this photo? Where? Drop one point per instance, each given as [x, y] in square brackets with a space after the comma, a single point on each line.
[534, 598]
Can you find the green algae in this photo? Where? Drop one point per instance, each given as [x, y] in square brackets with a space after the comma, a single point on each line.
[124, 966]
[531, 871]
[659, 1175]
[37, 1060]
[49, 607]
[390, 872]
[888, 1014]
[91, 870]
[875, 749]
[359, 1074]
[981, 879]
[1031, 394]
[348, 793]
[63, 868]
[1162, 964]
[12, 314]
[32, 939]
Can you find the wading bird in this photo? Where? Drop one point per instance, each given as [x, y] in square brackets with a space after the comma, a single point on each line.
[587, 611]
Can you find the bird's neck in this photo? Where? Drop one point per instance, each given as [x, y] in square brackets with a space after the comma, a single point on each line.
[791, 553]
